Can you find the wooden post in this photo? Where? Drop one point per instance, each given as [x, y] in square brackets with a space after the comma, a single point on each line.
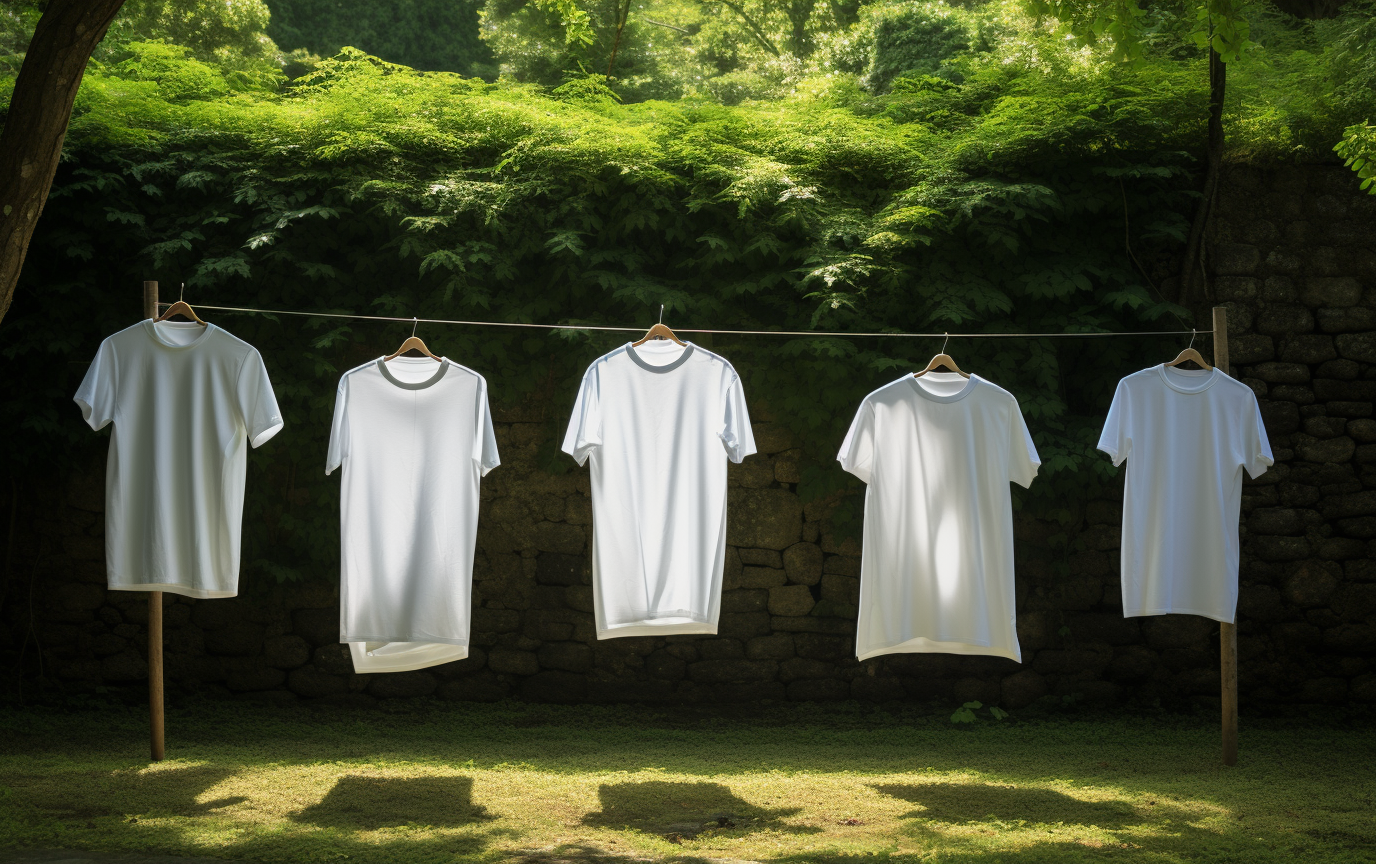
[1227, 633]
[155, 708]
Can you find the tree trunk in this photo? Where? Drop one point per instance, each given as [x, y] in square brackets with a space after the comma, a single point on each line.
[1192, 267]
[799, 13]
[37, 122]
[623, 12]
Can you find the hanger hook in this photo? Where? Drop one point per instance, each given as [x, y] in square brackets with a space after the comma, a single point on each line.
[944, 341]
[661, 313]
[415, 322]
[1193, 331]
[182, 294]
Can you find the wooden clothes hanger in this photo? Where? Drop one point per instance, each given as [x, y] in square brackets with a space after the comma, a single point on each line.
[942, 359]
[413, 343]
[1190, 354]
[659, 331]
[182, 308]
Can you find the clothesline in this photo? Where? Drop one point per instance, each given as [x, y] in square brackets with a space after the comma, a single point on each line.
[695, 330]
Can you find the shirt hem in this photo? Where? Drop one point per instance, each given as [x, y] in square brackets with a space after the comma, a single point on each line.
[649, 628]
[173, 588]
[1178, 610]
[423, 640]
[364, 664]
[925, 645]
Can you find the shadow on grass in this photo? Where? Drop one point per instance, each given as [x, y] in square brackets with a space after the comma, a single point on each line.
[161, 792]
[368, 803]
[969, 802]
[684, 810]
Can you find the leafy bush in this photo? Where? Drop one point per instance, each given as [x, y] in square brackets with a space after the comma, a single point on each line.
[918, 38]
[437, 35]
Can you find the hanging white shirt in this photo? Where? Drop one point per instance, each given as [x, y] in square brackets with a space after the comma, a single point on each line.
[659, 422]
[1187, 436]
[936, 570]
[414, 437]
[187, 401]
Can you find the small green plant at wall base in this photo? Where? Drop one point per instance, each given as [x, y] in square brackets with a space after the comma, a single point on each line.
[966, 712]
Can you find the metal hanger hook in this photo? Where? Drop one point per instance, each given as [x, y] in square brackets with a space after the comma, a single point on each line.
[182, 294]
[414, 325]
[944, 341]
[661, 313]
[1193, 332]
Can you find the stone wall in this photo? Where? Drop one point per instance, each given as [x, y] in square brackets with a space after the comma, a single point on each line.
[1295, 262]
[1293, 257]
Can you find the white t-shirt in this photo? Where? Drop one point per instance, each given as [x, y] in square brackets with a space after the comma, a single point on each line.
[659, 422]
[186, 402]
[414, 437]
[936, 571]
[1187, 435]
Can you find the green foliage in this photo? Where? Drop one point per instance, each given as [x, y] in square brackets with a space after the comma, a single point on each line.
[1129, 27]
[967, 713]
[436, 35]
[1351, 53]
[549, 43]
[918, 38]
[17, 21]
[228, 34]
[732, 50]
[1301, 85]
[225, 31]
[1359, 149]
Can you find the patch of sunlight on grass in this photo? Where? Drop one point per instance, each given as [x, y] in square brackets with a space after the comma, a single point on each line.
[517, 783]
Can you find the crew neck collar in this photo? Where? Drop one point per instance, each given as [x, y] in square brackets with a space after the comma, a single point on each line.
[954, 397]
[1173, 376]
[417, 385]
[667, 367]
[151, 328]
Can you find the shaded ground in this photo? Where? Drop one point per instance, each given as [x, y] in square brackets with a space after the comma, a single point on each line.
[74, 856]
[788, 784]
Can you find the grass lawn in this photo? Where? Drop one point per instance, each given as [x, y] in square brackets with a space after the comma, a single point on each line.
[797, 783]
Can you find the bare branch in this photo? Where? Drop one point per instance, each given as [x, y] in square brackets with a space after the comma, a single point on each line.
[755, 29]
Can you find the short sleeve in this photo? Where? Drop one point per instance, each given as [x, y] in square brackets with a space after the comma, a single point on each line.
[257, 403]
[97, 393]
[736, 434]
[485, 442]
[585, 426]
[857, 451]
[339, 428]
[1114, 440]
[1258, 456]
[1023, 460]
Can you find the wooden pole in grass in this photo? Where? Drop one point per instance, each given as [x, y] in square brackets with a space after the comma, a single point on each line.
[155, 707]
[1227, 633]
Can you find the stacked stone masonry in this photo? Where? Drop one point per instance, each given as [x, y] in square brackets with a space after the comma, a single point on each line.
[1293, 258]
